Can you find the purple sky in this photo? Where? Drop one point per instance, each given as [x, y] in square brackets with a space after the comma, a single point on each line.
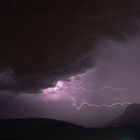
[77, 61]
[113, 81]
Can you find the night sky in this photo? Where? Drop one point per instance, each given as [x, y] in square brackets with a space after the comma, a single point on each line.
[69, 60]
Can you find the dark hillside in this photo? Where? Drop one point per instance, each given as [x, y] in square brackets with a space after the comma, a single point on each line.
[45, 129]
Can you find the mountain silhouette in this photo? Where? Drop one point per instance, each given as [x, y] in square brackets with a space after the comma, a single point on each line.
[130, 117]
[48, 129]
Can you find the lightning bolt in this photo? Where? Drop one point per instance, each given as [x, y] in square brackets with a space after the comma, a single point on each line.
[98, 106]
[97, 89]
[75, 82]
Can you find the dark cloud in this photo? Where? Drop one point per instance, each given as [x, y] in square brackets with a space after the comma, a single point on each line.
[42, 41]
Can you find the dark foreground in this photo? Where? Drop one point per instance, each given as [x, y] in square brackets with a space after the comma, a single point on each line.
[45, 129]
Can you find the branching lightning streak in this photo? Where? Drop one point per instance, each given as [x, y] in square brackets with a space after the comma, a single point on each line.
[78, 87]
[98, 106]
[98, 89]
[76, 83]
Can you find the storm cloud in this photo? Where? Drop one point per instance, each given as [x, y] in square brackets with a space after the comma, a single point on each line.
[43, 41]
